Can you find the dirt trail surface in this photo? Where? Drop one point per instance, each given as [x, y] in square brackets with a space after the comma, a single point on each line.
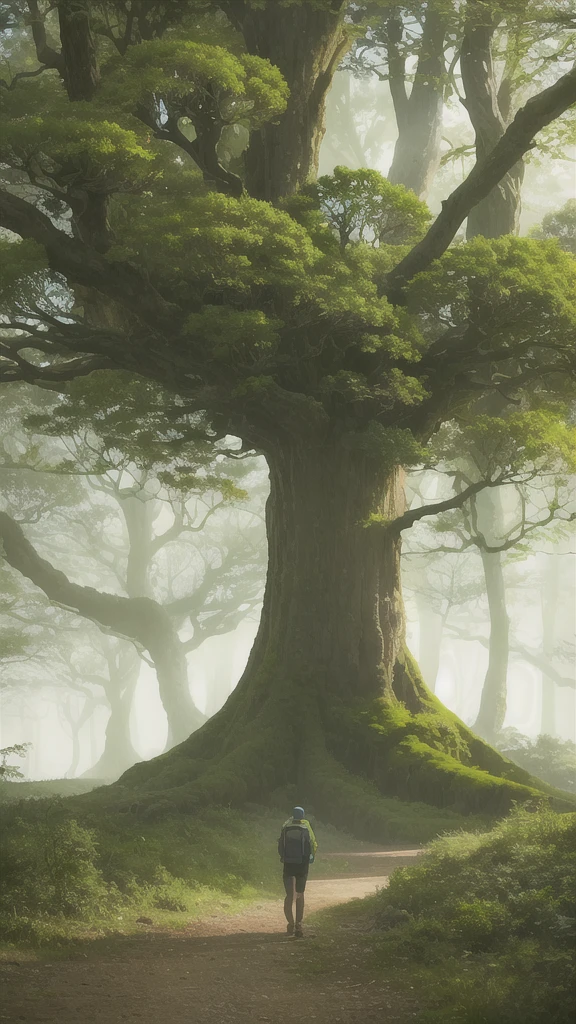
[235, 969]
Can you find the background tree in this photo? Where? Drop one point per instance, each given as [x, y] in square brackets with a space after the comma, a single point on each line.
[106, 533]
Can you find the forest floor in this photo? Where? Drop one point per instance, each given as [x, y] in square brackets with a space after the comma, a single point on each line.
[223, 969]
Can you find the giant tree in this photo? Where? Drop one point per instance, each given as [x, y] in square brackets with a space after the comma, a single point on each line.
[327, 329]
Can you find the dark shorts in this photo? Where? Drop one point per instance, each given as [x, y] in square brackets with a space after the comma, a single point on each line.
[298, 872]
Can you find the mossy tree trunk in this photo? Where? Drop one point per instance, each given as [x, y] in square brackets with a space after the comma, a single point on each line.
[330, 700]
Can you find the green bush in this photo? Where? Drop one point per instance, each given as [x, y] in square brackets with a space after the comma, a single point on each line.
[489, 921]
[169, 893]
[54, 869]
[51, 869]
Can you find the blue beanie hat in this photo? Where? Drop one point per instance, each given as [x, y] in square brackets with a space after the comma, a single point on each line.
[298, 813]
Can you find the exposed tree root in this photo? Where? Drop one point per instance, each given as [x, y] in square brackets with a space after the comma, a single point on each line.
[372, 767]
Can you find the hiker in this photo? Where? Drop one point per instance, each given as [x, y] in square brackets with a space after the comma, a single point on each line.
[297, 848]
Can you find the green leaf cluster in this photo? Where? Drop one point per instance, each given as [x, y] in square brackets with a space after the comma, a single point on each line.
[513, 288]
[52, 139]
[196, 79]
[389, 446]
[236, 333]
[362, 205]
[524, 442]
[560, 224]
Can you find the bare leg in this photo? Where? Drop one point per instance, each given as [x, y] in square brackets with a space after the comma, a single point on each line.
[289, 887]
[299, 909]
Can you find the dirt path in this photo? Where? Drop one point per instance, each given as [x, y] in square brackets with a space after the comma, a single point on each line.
[235, 969]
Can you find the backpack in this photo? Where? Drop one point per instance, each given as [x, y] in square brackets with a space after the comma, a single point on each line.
[294, 845]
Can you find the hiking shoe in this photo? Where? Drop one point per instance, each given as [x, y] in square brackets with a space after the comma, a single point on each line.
[289, 929]
[298, 933]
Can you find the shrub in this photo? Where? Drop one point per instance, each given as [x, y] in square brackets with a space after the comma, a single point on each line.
[50, 868]
[494, 914]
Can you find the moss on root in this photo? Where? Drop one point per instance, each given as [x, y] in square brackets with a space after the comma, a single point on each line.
[395, 769]
[417, 750]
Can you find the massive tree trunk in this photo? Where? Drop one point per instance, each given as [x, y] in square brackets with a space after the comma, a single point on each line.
[306, 45]
[329, 688]
[418, 115]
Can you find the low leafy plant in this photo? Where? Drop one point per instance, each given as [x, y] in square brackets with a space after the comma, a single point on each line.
[487, 921]
[51, 869]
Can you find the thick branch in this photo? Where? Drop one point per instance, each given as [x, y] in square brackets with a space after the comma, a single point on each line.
[78, 49]
[139, 619]
[539, 111]
[413, 515]
[123, 282]
[19, 369]
[46, 54]
[129, 617]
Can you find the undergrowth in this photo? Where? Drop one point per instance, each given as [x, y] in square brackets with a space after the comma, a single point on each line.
[66, 876]
[59, 875]
[483, 925]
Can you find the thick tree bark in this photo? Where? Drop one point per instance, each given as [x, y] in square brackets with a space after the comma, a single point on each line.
[499, 212]
[81, 72]
[333, 610]
[418, 115]
[329, 689]
[306, 44]
[139, 619]
[81, 76]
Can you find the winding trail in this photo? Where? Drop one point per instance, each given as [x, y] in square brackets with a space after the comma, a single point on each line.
[225, 969]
